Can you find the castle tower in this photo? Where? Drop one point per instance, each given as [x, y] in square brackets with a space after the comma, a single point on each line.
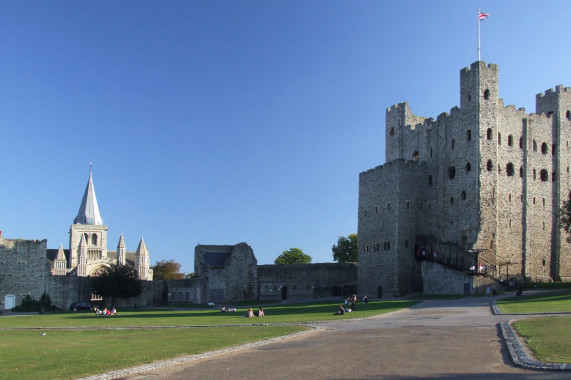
[88, 225]
[60, 263]
[121, 251]
[142, 262]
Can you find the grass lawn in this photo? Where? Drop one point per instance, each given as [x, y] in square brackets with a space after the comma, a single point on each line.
[283, 313]
[64, 354]
[549, 338]
[538, 303]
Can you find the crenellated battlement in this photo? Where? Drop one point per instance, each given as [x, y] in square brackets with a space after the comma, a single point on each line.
[397, 106]
[558, 89]
[475, 65]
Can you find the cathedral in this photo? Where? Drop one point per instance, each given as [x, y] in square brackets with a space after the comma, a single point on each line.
[87, 254]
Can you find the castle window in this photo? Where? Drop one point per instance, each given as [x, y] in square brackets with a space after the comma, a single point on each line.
[376, 209]
[407, 204]
[470, 98]
[544, 148]
[489, 165]
[534, 174]
[489, 134]
[510, 140]
[468, 167]
[543, 261]
[94, 239]
[469, 135]
[452, 144]
[451, 172]
[509, 197]
[534, 146]
[86, 236]
[415, 156]
[499, 169]
[552, 176]
[406, 243]
[463, 195]
[365, 212]
[430, 152]
[499, 138]
[521, 142]
[392, 131]
[543, 175]
[553, 149]
[568, 115]
[487, 94]
[430, 180]
[510, 169]
[521, 171]
[388, 206]
[451, 200]
[543, 202]
[544, 226]
[533, 200]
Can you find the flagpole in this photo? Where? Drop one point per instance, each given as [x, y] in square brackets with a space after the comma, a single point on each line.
[478, 19]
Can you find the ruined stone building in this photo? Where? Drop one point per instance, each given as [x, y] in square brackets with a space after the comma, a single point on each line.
[476, 191]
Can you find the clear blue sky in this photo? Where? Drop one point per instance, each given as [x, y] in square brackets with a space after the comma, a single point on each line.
[219, 122]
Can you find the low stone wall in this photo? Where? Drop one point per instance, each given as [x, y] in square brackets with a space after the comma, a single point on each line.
[437, 279]
[306, 281]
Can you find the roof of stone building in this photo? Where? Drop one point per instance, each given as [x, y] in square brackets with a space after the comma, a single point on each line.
[89, 210]
[217, 259]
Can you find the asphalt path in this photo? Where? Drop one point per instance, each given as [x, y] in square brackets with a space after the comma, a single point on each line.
[438, 339]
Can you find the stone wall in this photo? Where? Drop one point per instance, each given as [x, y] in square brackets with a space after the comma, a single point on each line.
[306, 281]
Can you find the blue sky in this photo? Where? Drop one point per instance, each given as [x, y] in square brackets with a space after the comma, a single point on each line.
[219, 122]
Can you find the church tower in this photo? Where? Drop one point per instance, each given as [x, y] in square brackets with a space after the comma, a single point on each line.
[87, 229]
[142, 262]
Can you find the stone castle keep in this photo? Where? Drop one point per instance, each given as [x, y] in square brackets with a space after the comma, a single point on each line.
[463, 201]
[476, 191]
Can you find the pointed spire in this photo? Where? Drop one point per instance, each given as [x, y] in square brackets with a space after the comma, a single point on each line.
[60, 254]
[142, 249]
[121, 242]
[121, 251]
[82, 242]
[89, 210]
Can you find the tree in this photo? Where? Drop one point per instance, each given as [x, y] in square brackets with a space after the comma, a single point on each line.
[565, 217]
[167, 270]
[118, 281]
[293, 256]
[346, 250]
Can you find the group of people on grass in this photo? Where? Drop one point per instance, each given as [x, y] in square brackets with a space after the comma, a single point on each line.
[105, 311]
[225, 309]
[350, 305]
[257, 313]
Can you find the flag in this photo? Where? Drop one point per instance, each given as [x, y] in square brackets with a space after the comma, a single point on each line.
[482, 16]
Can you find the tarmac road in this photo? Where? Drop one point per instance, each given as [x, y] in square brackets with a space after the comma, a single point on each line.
[444, 339]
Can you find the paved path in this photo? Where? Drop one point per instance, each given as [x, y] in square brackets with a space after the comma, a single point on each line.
[440, 339]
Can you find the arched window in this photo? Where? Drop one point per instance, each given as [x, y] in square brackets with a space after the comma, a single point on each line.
[544, 148]
[510, 140]
[94, 239]
[489, 165]
[392, 132]
[452, 144]
[510, 169]
[468, 167]
[543, 175]
[463, 195]
[86, 236]
[469, 134]
[451, 200]
[521, 142]
[487, 94]
[489, 133]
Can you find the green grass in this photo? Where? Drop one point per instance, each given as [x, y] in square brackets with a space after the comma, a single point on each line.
[284, 313]
[65, 354]
[548, 338]
[547, 302]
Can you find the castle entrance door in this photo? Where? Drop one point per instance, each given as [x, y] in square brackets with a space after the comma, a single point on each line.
[9, 302]
[284, 292]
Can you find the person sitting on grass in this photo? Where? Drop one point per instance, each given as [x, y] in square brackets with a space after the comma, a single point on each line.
[113, 311]
[260, 312]
[249, 313]
[341, 310]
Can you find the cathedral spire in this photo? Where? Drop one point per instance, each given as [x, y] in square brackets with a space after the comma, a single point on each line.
[89, 210]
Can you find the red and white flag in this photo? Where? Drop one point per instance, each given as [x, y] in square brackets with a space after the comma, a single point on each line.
[482, 16]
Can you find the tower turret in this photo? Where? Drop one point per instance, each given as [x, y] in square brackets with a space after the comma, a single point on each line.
[121, 251]
[142, 263]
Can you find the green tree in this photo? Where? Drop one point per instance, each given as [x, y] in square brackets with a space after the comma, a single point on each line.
[346, 250]
[167, 270]
[118, 281]
[293, 256]
[565, 217]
